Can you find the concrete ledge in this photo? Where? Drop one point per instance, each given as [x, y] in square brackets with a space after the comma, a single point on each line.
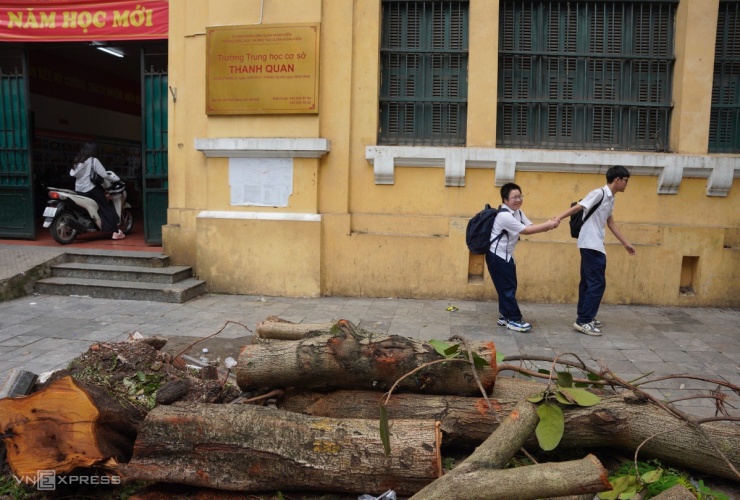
[720, 170]
[262, 147]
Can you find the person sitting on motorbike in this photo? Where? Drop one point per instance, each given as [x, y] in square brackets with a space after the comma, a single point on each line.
[83, 163]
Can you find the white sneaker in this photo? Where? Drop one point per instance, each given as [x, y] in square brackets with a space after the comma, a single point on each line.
[501, 321]
[588, 329]
[597, 323]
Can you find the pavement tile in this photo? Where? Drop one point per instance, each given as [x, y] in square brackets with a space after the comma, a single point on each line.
[45, 331]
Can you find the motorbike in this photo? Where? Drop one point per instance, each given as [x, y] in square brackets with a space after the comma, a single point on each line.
[69, 214]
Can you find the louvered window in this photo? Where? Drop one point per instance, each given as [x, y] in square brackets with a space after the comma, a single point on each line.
[585, 75]
[424, 67]
[724, 124]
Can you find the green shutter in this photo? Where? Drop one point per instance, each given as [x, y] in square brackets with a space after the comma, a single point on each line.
[585, 75]
[724, 123]
[424, 64]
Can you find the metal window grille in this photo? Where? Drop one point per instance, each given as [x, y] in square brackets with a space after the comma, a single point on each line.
[424, 67]
[724, 122]
[585, 74]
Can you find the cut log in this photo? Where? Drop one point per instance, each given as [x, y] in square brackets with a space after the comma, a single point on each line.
[619, 421]
[477, 477]
[276, 328]
[65, 425]
[252, 448]
[355, 359]
[530, 482]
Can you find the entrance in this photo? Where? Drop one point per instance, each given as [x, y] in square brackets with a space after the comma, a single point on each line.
[54, 97]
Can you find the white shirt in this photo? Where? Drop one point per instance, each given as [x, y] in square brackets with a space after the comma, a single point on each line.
[513, 222]
[81, 173]
[593, 233]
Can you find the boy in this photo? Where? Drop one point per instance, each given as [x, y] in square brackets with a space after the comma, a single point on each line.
[591, 245]
[510, 222]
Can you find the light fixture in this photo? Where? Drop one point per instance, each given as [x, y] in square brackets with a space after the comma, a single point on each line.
[109, 50]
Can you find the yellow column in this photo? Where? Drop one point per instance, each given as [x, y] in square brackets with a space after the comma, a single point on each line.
[696, 31]
[482, 73]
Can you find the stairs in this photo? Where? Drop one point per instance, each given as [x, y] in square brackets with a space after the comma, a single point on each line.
[121, 275]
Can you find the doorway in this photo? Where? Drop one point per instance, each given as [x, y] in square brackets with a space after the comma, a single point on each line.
[80, 92]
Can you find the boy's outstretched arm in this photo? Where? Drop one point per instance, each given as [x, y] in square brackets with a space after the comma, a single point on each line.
[616, 232]
[540, 228]
[575, 208]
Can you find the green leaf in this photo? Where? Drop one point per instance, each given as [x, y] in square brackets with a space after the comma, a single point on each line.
[385, 433]
[550, 430]
[141, 375]
[630, 490]
[651, 476]
[500, 357]
[542, 370]
[565, 379]
[537, 398]
[618, 486]
[451, 350]
[479, 362]
[440, 347]
[563, 398]
[581, 396]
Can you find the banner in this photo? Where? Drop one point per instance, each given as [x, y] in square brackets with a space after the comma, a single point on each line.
[82, 20]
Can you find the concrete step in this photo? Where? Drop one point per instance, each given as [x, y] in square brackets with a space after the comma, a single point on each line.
[118, 258]
[179, 292]
[118, 272]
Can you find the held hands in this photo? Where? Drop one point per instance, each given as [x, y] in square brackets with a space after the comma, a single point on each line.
[554, 222]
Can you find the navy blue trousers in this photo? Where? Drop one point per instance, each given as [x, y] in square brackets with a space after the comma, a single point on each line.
[503, 275]
[592, 286]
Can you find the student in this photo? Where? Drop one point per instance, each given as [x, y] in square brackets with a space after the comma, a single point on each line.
[591, 245]
[510, 222]
[83, 163]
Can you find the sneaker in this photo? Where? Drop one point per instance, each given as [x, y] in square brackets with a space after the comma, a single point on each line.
[597, 323]
[518, 326]
[118, 235]
[501, 321]
[588, 329]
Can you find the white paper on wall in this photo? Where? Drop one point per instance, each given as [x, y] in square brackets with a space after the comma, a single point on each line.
[264, 182]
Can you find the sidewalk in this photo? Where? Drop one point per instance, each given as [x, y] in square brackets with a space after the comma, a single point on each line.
[44, 332]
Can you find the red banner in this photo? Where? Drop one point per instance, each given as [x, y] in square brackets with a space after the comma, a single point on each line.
[82, 20]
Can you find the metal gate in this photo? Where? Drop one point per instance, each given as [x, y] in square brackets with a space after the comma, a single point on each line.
[154, 142]
[16, 186]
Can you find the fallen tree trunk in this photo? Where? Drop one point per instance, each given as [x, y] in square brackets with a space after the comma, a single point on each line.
[533, 481]
[276, 328]
[252, 448]
[619, 421]
[65, 425]
[352, 358]
[478, 477]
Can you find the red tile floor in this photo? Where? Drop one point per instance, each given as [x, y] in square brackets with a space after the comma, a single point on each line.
[134, 241]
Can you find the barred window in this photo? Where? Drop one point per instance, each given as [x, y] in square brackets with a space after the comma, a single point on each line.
[424, 67]
[585, 75]
[724, 122]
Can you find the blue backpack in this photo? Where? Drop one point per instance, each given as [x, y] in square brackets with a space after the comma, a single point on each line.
[478, 232]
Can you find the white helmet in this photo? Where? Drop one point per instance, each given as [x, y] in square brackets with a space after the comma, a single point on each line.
[112, 177]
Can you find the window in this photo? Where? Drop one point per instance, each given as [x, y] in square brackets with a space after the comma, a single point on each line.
[585, 75]
[424, 66]
[724, 123]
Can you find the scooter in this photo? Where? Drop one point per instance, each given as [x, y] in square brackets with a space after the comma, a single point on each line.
[69, 214]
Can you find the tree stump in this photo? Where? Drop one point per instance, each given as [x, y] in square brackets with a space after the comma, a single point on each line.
[63, 426]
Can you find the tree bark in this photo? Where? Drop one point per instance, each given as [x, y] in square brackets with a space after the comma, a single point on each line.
[280, 329]
[533, 481]
[252, 448]
[478, 477]
[65, 425]
[619, 421]
[352, 358]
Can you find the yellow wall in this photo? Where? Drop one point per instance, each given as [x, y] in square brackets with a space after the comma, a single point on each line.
[408, 239]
